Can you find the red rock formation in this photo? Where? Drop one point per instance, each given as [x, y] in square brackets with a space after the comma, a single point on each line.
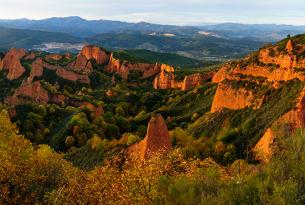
[289, 46]
[293, 119]
[37, 70]
[58, 98]
[98, 110]
[263, 149]
[110, 93]
[33, 93]
[269, 63]
[81, 65]
[30, 56]
[68, 56]
[72, 76]
[228, 97]
[96, 53]
[123, 68]
[195, 80]
[167, 68]
[165, 81]
[54, 57]
[11, 63]
[157, 139]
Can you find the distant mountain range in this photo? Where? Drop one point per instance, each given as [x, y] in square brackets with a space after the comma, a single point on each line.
[220, 41]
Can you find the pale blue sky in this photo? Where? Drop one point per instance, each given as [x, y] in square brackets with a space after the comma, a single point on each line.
[161, 11]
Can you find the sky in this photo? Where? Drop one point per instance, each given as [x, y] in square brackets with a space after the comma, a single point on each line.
[178, 12]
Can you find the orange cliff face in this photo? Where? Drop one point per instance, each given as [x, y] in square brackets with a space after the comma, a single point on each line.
[165, 81]
[33, 92]
[195, 80]
[11, 63]
[93, 52]
[294, 119]
[234, 98]
[157, 139]
[83, 63]
[269, 63]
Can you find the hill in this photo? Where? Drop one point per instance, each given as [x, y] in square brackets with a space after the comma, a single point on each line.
[147, 56]
[197, 46]
[86, 28]
[80, 27]
[21, 38]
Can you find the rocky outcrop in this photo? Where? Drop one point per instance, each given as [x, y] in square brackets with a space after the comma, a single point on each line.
[83, 64]
[93, 52]
[58, 98]
[54, 57]
[157, 139]
[37, 70]
[195, 80]
[268, 63]
[30, 56]
[167, 68]
[123, 68]
[292, 120]
[33, 93]
[234, 98]
[12, 64]
[263, 149]
[289, 46]
[72, 76]
[164, 81]
[98, 110]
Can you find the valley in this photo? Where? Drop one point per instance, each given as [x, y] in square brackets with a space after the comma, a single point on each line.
[133, 116]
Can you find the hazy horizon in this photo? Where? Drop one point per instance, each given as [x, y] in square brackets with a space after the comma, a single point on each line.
[195, 24]
[171, 12]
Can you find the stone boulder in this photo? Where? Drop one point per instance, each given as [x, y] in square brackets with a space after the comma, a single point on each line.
[157, 140]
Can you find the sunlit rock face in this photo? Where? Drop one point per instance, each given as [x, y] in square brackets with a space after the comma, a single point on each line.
[157, 140]
[11, 63]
